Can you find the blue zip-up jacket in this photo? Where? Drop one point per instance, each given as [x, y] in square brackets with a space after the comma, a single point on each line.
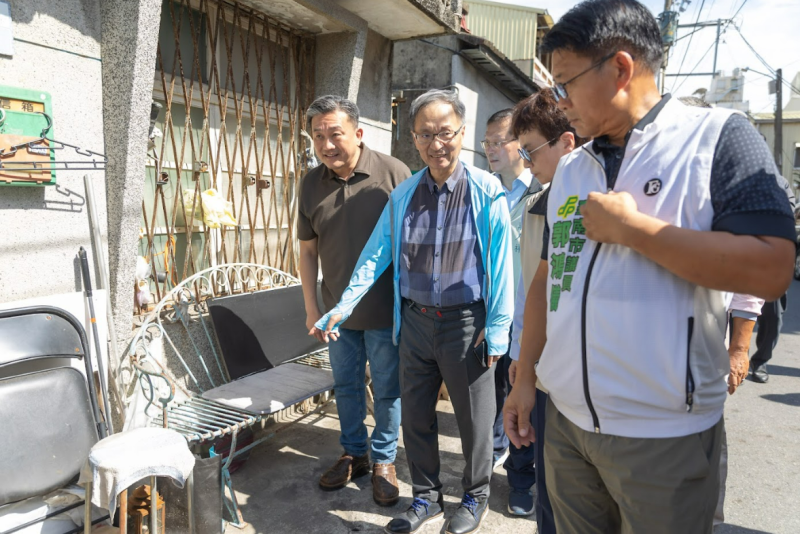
[490, 212]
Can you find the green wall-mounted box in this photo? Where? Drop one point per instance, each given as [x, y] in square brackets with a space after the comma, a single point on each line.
[22, 120]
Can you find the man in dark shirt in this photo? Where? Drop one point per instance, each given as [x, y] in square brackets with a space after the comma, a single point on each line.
[340, 202]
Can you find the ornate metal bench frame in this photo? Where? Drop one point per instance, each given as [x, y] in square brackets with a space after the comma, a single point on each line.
[196, 418]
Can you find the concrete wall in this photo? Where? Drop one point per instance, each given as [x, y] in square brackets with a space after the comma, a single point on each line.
[356, 65]
[416, 67]
[43, 227]
[130, 39]
[375, 93]
[482, 99]
[419, 66]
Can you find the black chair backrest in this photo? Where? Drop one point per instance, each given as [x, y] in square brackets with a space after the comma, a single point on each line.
[261, 330]
[49, 416]
[37, 335]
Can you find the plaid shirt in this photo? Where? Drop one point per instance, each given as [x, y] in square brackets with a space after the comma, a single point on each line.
[440, 261]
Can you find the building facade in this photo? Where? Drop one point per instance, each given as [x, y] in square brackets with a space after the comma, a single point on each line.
[185, 96]
[516, 31]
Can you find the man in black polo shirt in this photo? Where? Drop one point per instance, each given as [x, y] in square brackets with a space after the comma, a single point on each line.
[340, 203]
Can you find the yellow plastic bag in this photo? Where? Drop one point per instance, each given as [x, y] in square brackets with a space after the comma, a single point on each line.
[216, 210]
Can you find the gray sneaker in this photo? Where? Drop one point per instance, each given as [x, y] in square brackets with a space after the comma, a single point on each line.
[420, 513]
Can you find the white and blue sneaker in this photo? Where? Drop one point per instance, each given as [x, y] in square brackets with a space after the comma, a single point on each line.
[499, 459]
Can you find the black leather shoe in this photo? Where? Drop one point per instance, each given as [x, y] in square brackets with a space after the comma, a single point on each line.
[420, 513]
[469, 515]
[760, 373]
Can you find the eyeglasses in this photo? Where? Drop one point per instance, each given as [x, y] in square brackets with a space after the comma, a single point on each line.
[486, 145]
[560, 89]
[445, 137]
[524, 154]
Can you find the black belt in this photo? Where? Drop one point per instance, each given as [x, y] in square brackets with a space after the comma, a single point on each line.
[444, 311]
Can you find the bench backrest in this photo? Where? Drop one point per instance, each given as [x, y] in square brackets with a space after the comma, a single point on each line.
[261, 330]
[48, 412]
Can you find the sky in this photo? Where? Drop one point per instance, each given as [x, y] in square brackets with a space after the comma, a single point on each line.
[772, 27]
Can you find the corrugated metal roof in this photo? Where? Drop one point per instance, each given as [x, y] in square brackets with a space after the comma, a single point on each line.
[511, 28]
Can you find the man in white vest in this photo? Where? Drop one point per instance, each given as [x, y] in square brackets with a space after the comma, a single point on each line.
[650, 227]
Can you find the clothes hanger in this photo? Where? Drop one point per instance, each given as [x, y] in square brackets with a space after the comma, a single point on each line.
[43, 146]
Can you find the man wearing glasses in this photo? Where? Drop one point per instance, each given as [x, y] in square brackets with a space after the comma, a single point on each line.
[446, 232]
[502, 150]
[651, 226]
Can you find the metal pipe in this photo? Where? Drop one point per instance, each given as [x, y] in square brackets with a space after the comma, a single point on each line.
[153, 506]
[102, 269]
[87, 287]
[190, 501]
[42, 519]
[87, 509]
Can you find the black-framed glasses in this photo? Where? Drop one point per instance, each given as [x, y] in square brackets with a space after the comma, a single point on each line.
[524, 154]
[445, 136]
[560, 89]
[486, 145]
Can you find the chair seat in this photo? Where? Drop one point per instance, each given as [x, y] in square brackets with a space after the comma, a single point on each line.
[273, 390]
[120, 460]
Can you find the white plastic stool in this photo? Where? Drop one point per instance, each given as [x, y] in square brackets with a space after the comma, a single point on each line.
[123, 459]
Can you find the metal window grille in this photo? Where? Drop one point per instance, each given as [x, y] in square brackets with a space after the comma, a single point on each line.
[234, 85]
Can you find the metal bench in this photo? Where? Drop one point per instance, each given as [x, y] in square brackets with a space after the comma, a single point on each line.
[265, 361]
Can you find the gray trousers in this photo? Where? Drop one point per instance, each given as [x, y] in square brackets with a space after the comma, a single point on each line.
[604, 484]
[719, 513]
[436, 345]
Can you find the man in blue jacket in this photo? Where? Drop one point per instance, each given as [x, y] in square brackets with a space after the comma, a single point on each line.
[446, 231]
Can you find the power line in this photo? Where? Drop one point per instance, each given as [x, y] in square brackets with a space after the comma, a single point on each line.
[688, 35]
[753, 50]
[689, 45]
[764, 62]
[738, 10]
[686, 76]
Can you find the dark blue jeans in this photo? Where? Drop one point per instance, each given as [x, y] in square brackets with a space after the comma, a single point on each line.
[349, 356]
[519, 465]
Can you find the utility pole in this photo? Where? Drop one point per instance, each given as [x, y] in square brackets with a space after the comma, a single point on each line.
[779, 120]
[718, 24]
[716, 48]
[669, 22]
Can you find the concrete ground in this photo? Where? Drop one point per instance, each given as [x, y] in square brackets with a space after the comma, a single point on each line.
[278, 490]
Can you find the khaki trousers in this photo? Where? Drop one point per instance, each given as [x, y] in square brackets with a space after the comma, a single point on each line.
[603, 484]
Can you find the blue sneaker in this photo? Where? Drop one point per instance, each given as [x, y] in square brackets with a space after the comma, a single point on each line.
[520, 503]
[420, 513]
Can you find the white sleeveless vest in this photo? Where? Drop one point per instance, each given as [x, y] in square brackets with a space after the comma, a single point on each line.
[632, 350]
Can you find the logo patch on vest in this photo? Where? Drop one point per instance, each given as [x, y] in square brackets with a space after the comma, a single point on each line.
[567, 239]
[652, 187]
[568, 208]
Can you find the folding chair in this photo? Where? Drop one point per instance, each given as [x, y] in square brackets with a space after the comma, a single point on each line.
[49, 412]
